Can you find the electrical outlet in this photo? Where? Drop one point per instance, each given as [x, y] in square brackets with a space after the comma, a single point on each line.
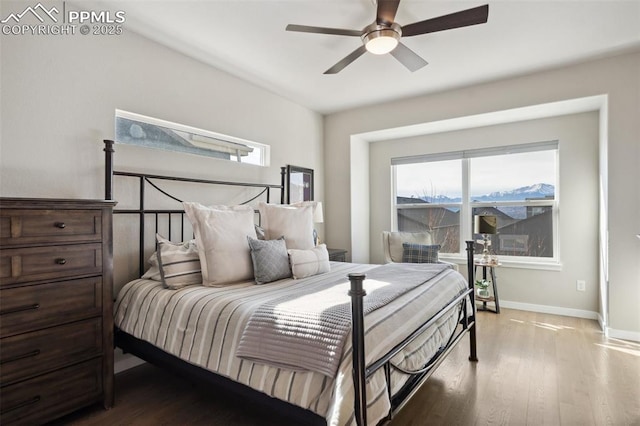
[581, 285]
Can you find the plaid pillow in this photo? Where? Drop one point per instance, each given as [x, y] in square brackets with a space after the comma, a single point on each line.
[419, 253]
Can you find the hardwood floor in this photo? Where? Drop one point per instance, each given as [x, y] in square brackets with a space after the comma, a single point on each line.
[534, 369]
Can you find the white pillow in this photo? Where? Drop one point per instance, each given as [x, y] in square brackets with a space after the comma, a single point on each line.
[153, 273]
[221, 235]
[295, 224]
[305, 263]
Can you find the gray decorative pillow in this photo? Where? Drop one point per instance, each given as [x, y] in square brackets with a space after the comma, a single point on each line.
[270, 260]
[419, 253]
[179, 263]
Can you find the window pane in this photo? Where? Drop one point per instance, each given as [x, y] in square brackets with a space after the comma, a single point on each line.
[438, 182]
[151, 132]
[514, 177]
[435, 182]
[444, 223]
[523, 230]
[528, 236]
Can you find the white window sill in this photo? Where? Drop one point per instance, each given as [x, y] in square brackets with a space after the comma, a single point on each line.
[549, 265]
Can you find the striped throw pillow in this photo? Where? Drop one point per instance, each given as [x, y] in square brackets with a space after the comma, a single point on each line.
[419, 253]
[179, 263]
[306, 263]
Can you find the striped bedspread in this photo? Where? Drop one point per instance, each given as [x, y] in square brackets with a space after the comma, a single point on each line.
[203, 326]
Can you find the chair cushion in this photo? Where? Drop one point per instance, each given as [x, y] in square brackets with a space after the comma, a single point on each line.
[396, 239]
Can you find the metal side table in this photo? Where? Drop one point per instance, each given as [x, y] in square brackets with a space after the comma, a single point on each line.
[489, 268]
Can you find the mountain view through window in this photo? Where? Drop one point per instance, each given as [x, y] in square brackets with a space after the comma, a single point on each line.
[519, 189]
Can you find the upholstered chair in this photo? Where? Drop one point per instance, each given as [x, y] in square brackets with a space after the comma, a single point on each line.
[392, 244]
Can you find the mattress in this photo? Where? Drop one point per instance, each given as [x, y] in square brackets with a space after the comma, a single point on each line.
[203, 326]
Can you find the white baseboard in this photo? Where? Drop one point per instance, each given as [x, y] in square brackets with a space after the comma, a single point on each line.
[623, 334]
[578, 313]
[601, 322]
[546, 309]
[124, 362]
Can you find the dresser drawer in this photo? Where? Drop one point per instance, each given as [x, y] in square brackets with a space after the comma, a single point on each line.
[34, 307]
[29, 354]
[51, 395]
[49, 226]
[46, 263]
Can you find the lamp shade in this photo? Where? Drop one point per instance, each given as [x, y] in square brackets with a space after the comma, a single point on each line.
[485, 224]
[318, 217]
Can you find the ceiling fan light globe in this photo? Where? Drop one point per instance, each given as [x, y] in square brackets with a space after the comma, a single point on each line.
[381, 45]
[381, 39]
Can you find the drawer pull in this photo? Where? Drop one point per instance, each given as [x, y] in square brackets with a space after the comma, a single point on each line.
[61, 261]
[23, 356]
[23, 404]
[60, 225]
[20, 309]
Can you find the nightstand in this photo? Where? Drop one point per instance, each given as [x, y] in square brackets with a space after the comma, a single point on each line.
[337, 255]
[490, 269]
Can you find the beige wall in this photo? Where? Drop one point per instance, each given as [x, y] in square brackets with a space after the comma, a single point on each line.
[578, 191]
[59, 95]
[617, 78]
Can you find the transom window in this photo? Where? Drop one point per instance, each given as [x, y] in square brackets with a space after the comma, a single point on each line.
[517, 184]
[136, 129]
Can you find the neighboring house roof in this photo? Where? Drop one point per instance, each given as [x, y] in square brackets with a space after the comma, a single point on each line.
[151, 135]
[409, 200]
[434, 217]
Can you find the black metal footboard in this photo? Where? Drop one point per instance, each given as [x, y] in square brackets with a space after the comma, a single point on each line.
[362, 372]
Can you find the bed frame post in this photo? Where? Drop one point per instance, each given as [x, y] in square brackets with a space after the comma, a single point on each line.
[473, 355]
[283, 174]
[108, 170]
[357, 318]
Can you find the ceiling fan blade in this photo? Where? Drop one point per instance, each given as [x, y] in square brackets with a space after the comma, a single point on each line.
[323, 30]
[476, 15]
[387, 11]
[408, 57]
[346, 60]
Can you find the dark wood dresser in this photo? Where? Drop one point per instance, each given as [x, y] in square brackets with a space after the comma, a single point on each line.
[56, 303]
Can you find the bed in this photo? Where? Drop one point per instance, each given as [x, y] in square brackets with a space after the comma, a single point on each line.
[231, 335]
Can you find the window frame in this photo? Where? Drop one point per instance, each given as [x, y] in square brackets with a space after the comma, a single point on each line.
[466, 206]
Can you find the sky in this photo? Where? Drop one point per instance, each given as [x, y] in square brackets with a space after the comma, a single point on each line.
[487, 174]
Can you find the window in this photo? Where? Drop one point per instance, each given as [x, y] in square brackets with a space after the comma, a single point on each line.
[151, 132]
[429, 199]
[517, 184]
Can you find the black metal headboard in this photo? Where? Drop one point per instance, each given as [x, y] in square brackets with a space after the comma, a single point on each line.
[145, 179]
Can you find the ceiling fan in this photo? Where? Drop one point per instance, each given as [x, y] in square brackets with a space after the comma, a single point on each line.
[383, 35]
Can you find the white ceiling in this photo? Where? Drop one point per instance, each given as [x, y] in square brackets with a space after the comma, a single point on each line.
[248, 39]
